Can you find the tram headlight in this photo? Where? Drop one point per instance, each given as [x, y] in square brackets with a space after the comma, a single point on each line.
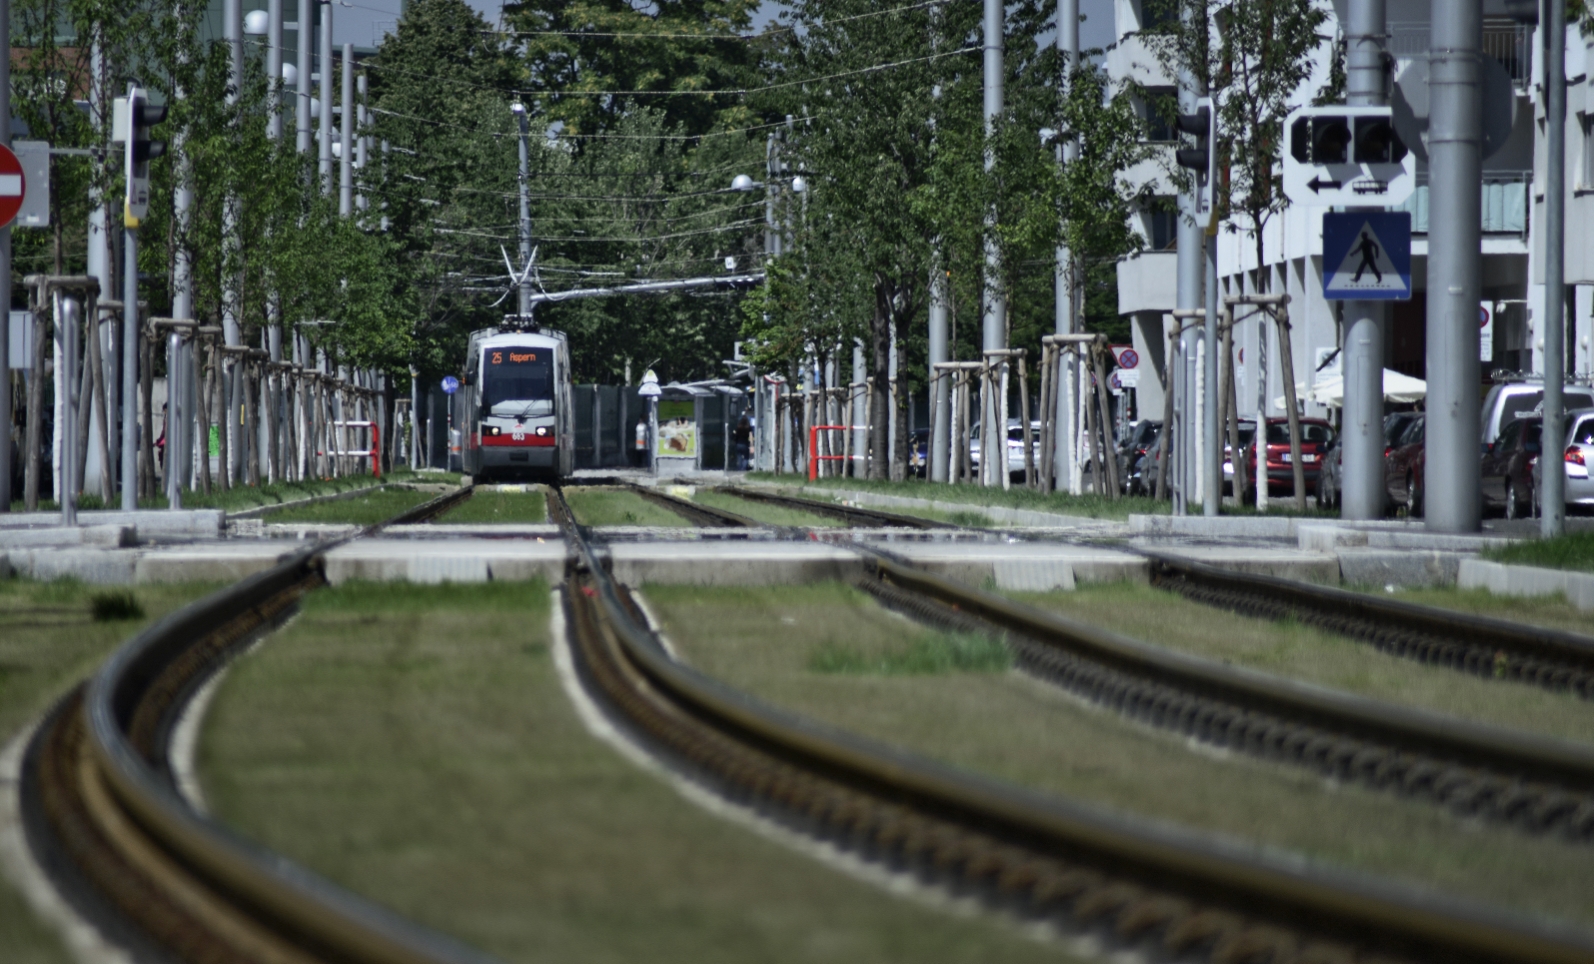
[492, 430]
[542, 430]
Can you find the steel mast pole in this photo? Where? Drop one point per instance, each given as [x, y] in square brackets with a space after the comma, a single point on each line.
[1362, 493]
[1063, 286]
[1191, 258]
[346, 137]
[325, 155]
[992, 308]
[1454, 266]
[525, 208]
[5, 271]
[130, 334]
[1552, 481]
[301, 79]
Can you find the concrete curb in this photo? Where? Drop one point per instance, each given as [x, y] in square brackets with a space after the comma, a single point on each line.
[1504, 579]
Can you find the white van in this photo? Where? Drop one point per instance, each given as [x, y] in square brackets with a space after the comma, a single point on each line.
[1509, 401]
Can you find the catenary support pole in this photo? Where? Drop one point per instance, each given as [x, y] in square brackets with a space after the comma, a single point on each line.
[1063, 284]
[940, 383]
[346, 137]
[1362, 494]
[301, 80]
[1190, 271]
[5, 271]
[130, 333]
[1552, 495]
[525, 208]
[992, 305]
[1454, 266]
[231, 323]
[98, 260]
[325, 129]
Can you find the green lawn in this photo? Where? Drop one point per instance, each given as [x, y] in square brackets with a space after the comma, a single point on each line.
[365, 509]
[1018, 497]
[774, 642]
[242, 497]
[1575, 550]
[1290, 648]
[413, 743]
[492, 507]
[765, 512]
[596, 506]
[50, 639]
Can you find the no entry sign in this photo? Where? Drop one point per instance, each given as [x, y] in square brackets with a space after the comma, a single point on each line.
[13, 186]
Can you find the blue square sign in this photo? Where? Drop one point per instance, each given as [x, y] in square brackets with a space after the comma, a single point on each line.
[1367, 256]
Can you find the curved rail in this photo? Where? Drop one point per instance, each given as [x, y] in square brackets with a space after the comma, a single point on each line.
[1480, 645]
[110, 807]
[1536, 782]
[852, 515]
[1150, 886]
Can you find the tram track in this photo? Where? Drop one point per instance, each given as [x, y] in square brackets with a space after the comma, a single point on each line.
[1134, 885]
[852, 515]
[1478, 645]
[103, 814]
[696, 513]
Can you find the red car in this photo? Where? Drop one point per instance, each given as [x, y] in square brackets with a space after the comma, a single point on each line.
[1316, 434]
[1403, 468]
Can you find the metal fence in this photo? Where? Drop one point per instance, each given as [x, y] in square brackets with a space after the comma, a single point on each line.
[1507, 41]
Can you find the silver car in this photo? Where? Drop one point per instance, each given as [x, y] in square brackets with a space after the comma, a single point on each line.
[1577, 455]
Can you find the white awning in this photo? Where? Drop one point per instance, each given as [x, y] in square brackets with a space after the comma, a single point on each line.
[1330, 390]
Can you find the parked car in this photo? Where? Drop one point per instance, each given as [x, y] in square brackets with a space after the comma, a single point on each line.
[919, 453]
[1576, 455]
[1316, 434]
[1506, 402]
[1330, 483]
[1247, 433]
[1137, 457]
[1508, 467]
[1015, 445]
[1403, 468]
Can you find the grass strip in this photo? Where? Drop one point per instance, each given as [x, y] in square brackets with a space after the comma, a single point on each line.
[51, 635]
[241, 497]
[1553, 612]
[498, 507]
[595, 506]
[365, 509]
[1018, 497]
[1287, 647]
[1574, 550]
[764, 640]
[765, 512]
[413, 743]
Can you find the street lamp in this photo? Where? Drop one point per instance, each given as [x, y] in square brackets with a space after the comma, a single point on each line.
[256, 23]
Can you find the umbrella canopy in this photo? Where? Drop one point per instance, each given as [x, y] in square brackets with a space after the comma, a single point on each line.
[1330, 390]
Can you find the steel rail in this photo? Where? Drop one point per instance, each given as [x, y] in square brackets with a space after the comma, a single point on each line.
[1536, 782]
[1145, 885]
[110, 807]
[1493, 648]
[852, 515]
[698, 515]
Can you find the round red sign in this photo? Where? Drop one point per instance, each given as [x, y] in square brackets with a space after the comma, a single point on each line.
[13, 186]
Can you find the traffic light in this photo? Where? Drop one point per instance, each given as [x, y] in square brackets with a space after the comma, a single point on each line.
[1377, 142]
[131, 123]
[1202, 158]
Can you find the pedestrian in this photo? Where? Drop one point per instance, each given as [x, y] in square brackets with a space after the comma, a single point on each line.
[742, 435]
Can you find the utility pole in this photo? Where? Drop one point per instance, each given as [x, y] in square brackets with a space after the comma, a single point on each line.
[993, 445]
[325, 166]
[5, 270]
[301, 79]
[1211, 427]
[232, 332]
[1362, 494]
[1064, 288]
[1552, 497]
[1455, 166]
[1192, 254]
[98, 264]
[519, 110]
[346, 137]
[941, 387]
[271, 388]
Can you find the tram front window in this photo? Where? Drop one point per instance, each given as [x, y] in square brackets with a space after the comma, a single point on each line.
[517, 382]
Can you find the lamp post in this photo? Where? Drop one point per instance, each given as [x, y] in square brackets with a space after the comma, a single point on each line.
[519, 110]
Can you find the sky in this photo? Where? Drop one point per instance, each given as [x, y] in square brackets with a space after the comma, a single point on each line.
[362, 22]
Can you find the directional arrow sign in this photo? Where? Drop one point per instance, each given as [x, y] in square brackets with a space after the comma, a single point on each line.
[13, 186]
[1317, 185]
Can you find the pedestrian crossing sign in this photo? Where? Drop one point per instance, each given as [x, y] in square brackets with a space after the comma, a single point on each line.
[1367, 256]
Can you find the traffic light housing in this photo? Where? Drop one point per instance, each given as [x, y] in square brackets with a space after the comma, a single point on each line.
[131, 126]
[1346, 139]
[1202, 159]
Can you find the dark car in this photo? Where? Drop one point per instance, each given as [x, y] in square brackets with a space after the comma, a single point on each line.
[1508, 467]
[1330, 484]
[1137, 457]
[1403, 468]
[1316, 435]
[919, 453]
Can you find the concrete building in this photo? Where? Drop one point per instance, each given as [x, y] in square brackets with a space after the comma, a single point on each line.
[1292, 258]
